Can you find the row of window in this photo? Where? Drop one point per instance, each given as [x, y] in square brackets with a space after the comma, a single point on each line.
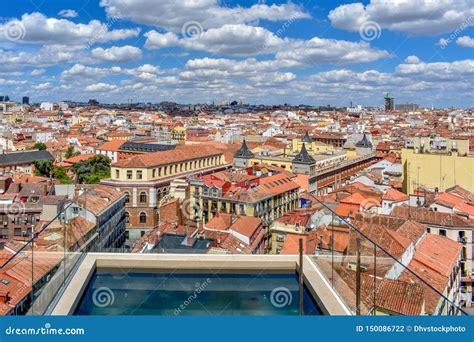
[142, 217]
[171, 169]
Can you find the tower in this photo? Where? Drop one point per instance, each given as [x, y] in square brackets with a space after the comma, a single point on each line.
[389, 103]
[303, 162]
[242, 156]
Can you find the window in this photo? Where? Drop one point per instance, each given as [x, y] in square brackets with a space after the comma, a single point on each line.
[442, 232]
[142, 218]
[154, 173]
[127, 197]
[129, 174]
[142, 197]
[117, 173]
[17, 232]
[127, 217]
[139, 174]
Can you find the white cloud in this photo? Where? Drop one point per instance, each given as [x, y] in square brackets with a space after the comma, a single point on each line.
[465, 41]
[422, 17]
[156, 40]
[68, 13]
[244, 40]
[100, 87]
[172, 15]
[125, 53]
[6, 82]
[43, 86]
[37, 72]
[36, 28]
[82, 71]
[322, 51]
[412, 60]
[438, 71]
[236, 39]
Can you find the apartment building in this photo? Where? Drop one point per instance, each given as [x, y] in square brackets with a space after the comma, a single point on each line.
[145, 180]
[437, 164]
[269, 195]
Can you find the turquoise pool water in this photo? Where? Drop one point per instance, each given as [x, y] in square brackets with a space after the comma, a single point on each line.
[111, 293]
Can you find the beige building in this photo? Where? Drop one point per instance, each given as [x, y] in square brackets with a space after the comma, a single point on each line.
[437, 164]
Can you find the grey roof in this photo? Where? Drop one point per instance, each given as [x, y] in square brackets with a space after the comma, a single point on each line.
[24, 157]
[144, 147]
[244, 152]
[365, 143]
[307, 138]
[171, 243]
[304, 157]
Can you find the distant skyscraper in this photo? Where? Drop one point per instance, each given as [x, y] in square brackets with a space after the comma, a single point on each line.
[26, 100]
[2, 98]
[389, 104]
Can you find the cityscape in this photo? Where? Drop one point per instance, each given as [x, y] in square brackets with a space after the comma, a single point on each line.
[256, 158]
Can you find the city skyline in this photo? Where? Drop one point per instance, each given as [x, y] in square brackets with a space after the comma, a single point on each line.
[270, 52]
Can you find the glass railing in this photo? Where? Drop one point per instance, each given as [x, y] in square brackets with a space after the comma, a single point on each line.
[375, 269]
[372, 269]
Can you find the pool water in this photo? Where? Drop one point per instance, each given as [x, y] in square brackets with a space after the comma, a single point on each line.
[112, 293]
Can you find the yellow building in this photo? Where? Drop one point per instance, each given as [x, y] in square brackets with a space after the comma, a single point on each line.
[437, 163]
[178, 133]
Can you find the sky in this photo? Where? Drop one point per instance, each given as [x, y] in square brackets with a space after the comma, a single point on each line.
[259, 52]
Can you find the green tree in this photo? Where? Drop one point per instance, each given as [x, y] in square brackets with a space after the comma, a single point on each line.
[43, 167]
[60, 173]
[92, 170]
[70, 152]
[39, 146]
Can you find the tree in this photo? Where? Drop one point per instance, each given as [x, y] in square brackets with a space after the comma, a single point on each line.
[92, 170]
[60, 173]
[43, 167]
[39, 146]
[70, 152]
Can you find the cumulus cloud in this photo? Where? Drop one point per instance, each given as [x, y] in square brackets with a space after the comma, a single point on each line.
[83, 71]
[438, 71]
[100, 87]
[43, 86]
[245, 40]
[125, 53]
[36, 28]
[172, 15]
[236, 39]
[422, 17]
[68, 13]
[465, 41]
[320, 51]
[37, 72]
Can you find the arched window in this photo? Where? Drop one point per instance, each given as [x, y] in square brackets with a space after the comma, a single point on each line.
[142, 218]
[127, 217]
[143, 197]
[127, 197]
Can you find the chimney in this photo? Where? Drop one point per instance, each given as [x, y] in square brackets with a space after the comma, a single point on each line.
[4, 297]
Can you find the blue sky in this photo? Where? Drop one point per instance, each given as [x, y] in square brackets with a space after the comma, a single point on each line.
[196, 51]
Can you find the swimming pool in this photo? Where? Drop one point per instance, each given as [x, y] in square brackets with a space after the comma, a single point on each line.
[117, 293]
